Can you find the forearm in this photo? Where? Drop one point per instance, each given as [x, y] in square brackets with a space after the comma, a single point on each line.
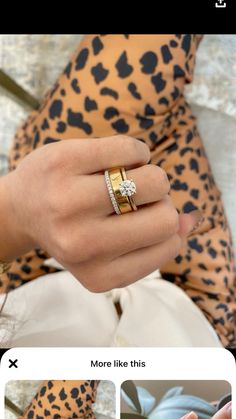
[13, 242]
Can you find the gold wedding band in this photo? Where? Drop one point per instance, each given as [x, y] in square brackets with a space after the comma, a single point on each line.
[120, 190]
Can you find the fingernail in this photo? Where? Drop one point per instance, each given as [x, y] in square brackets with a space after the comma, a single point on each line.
[198, 219]
[190, 415]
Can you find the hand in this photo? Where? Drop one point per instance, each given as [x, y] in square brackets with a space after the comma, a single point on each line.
[224, 413]
[57, 200]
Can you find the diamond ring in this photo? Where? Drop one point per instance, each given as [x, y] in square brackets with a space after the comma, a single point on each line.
[127, 187]
[121, 190]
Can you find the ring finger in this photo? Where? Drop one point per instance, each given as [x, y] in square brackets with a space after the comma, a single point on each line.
[151, 183]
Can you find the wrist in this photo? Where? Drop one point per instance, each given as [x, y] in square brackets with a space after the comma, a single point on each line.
[14, 241]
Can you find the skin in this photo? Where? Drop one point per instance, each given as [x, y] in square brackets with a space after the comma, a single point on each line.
[57, 200]
[224, 413]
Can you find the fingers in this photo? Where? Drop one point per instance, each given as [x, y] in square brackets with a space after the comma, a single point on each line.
[151, 182]
[225, 412]
[86, 156]
[149, 225]
[109, 237]
[126, 269]
[190, 415]
[190, 222]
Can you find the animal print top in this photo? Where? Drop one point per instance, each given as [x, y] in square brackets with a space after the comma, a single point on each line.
[134, 85]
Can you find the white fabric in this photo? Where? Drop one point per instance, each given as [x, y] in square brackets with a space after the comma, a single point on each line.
[56, 310]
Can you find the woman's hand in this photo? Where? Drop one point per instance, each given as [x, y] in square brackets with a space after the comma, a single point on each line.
[224, 413]
[57, 200]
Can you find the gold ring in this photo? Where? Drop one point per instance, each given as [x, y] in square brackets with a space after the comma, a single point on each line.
[120, 190]
[130, 186]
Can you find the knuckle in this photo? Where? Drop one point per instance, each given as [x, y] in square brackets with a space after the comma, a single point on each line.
[54, 160]
[99, 276]
[61, 248]
[95, 287]
[93, 250]
[93, 280]
[90, 243]
[134, 147]
[127, 143]
[65, 249]
[76, 246]
[158, 177]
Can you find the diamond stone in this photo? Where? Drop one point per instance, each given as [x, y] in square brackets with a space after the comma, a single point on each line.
[127, 187]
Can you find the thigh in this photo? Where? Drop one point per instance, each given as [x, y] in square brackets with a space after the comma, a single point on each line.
[204, 269]
[133, 85]
[113, 84]
[64, 398]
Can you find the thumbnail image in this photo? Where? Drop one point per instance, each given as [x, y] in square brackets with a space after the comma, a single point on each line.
[176, 400]
[67, 399]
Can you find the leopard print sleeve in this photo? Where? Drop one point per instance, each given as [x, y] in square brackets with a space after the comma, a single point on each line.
[63, 400]
[134, 85]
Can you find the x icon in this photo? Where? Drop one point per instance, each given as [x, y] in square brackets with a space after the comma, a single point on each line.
[13, 363]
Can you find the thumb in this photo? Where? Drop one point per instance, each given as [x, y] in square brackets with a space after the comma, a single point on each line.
[189, 222]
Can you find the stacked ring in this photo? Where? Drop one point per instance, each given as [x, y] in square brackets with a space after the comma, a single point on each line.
[120, 190]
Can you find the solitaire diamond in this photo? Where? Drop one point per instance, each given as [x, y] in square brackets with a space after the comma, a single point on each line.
[127, 187]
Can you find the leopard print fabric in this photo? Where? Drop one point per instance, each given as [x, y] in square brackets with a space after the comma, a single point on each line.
[134, 85]
[63, 400]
